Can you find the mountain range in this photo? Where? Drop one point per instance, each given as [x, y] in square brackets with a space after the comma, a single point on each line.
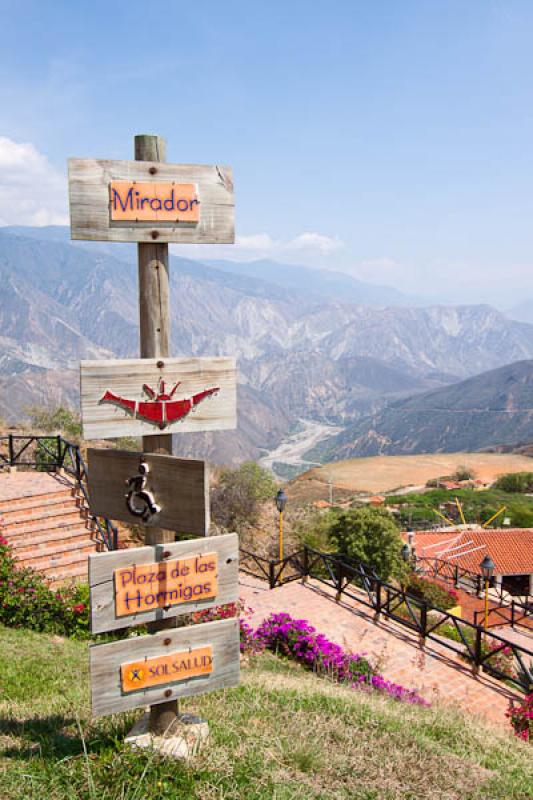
[485, 410]
[303, 353]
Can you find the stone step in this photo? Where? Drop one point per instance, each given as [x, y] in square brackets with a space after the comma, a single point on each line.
[17, 513]
[65, 521]
[34, 516]
[63, 561]
[29, 500]
[76, 573]
[52, 540]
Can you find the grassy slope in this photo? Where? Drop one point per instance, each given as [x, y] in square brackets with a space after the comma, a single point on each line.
[282, 734]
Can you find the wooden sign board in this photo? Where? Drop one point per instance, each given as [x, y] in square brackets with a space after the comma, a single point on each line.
[145, 201]
[149, 584]
[148, 396]
[148, 489]
[164, 666]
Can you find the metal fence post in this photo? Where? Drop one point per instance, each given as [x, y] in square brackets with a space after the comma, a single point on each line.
[456, 576]
[305, 575]
[423, 624]
[477, 650]
[78, 464]
[377, 606]
[271, 574]
[339, 582]
[11, 451]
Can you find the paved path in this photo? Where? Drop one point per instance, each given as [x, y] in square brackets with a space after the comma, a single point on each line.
[435, 672]
[15, 485]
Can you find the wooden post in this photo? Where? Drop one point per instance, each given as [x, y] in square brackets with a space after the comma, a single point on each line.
[154, 316]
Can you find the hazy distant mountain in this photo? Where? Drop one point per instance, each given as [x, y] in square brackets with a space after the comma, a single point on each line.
[299, 356]
[325, 284]
[493, 408]
[523, 312]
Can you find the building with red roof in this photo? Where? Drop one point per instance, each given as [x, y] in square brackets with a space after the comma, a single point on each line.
[511, 550]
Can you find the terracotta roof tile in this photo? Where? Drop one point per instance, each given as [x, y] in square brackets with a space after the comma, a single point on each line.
[511, 549]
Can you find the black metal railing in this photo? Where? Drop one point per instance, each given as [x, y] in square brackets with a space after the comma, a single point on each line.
[50, 453]
[513, 614]
[495, 654]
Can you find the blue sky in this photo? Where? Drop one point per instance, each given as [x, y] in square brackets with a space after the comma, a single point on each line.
[392, 139]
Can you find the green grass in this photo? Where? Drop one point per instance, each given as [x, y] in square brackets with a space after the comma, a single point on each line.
[478, 506]
[282, 734]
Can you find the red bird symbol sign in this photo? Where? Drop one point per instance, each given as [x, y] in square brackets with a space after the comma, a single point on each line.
[159, 409]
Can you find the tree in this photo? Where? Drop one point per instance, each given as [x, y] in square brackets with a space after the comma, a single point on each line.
[55, 420]
[463, 473]
[369, 535]
[236, 499]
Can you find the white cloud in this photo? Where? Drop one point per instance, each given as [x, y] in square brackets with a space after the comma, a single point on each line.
[32, 191]
[314, 242]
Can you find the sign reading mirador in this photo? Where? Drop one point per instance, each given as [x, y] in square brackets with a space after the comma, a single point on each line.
[153, 202]
[145, 201]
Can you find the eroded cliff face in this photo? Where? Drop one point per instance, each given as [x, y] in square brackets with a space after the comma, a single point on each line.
[299, 356]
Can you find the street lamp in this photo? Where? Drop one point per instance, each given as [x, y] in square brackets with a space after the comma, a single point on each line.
[281, 502]
[487, 570]
[405, 552]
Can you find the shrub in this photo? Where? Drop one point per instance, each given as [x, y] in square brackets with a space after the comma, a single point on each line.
[55, 420]
[515, 482]
[237, 498]
[463, 473]
[314, 530]
[297, 639]
[369, 535]
[431, 593]
[248, 643]
[26, 601]
[521, 718]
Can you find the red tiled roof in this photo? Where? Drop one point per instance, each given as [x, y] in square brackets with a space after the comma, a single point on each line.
[511, 549]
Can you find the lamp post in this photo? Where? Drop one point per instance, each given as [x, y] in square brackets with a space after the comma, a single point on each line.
[281, 502]
[405, 553]
[487, 570]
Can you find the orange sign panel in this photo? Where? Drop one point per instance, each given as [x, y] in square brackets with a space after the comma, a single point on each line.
[166, 669]
[144, 587]
[139, 201]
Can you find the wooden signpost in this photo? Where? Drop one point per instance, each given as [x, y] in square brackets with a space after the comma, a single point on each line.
[154, 490]
[143, 397]
[147, 584]
[153, 203]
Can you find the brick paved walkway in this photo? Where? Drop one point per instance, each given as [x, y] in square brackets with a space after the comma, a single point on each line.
[435, 672]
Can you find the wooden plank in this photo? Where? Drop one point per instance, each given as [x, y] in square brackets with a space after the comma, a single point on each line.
[108, 661]
[90, 196]
[105, 586]
[118, 395]
[178, 486]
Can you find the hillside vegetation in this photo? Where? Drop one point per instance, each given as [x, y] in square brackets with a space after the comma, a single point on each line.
[282, 734]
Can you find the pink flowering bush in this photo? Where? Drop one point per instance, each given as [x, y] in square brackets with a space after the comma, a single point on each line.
[296, 638]
[26, 600]
[249, 644]
[521, 718]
